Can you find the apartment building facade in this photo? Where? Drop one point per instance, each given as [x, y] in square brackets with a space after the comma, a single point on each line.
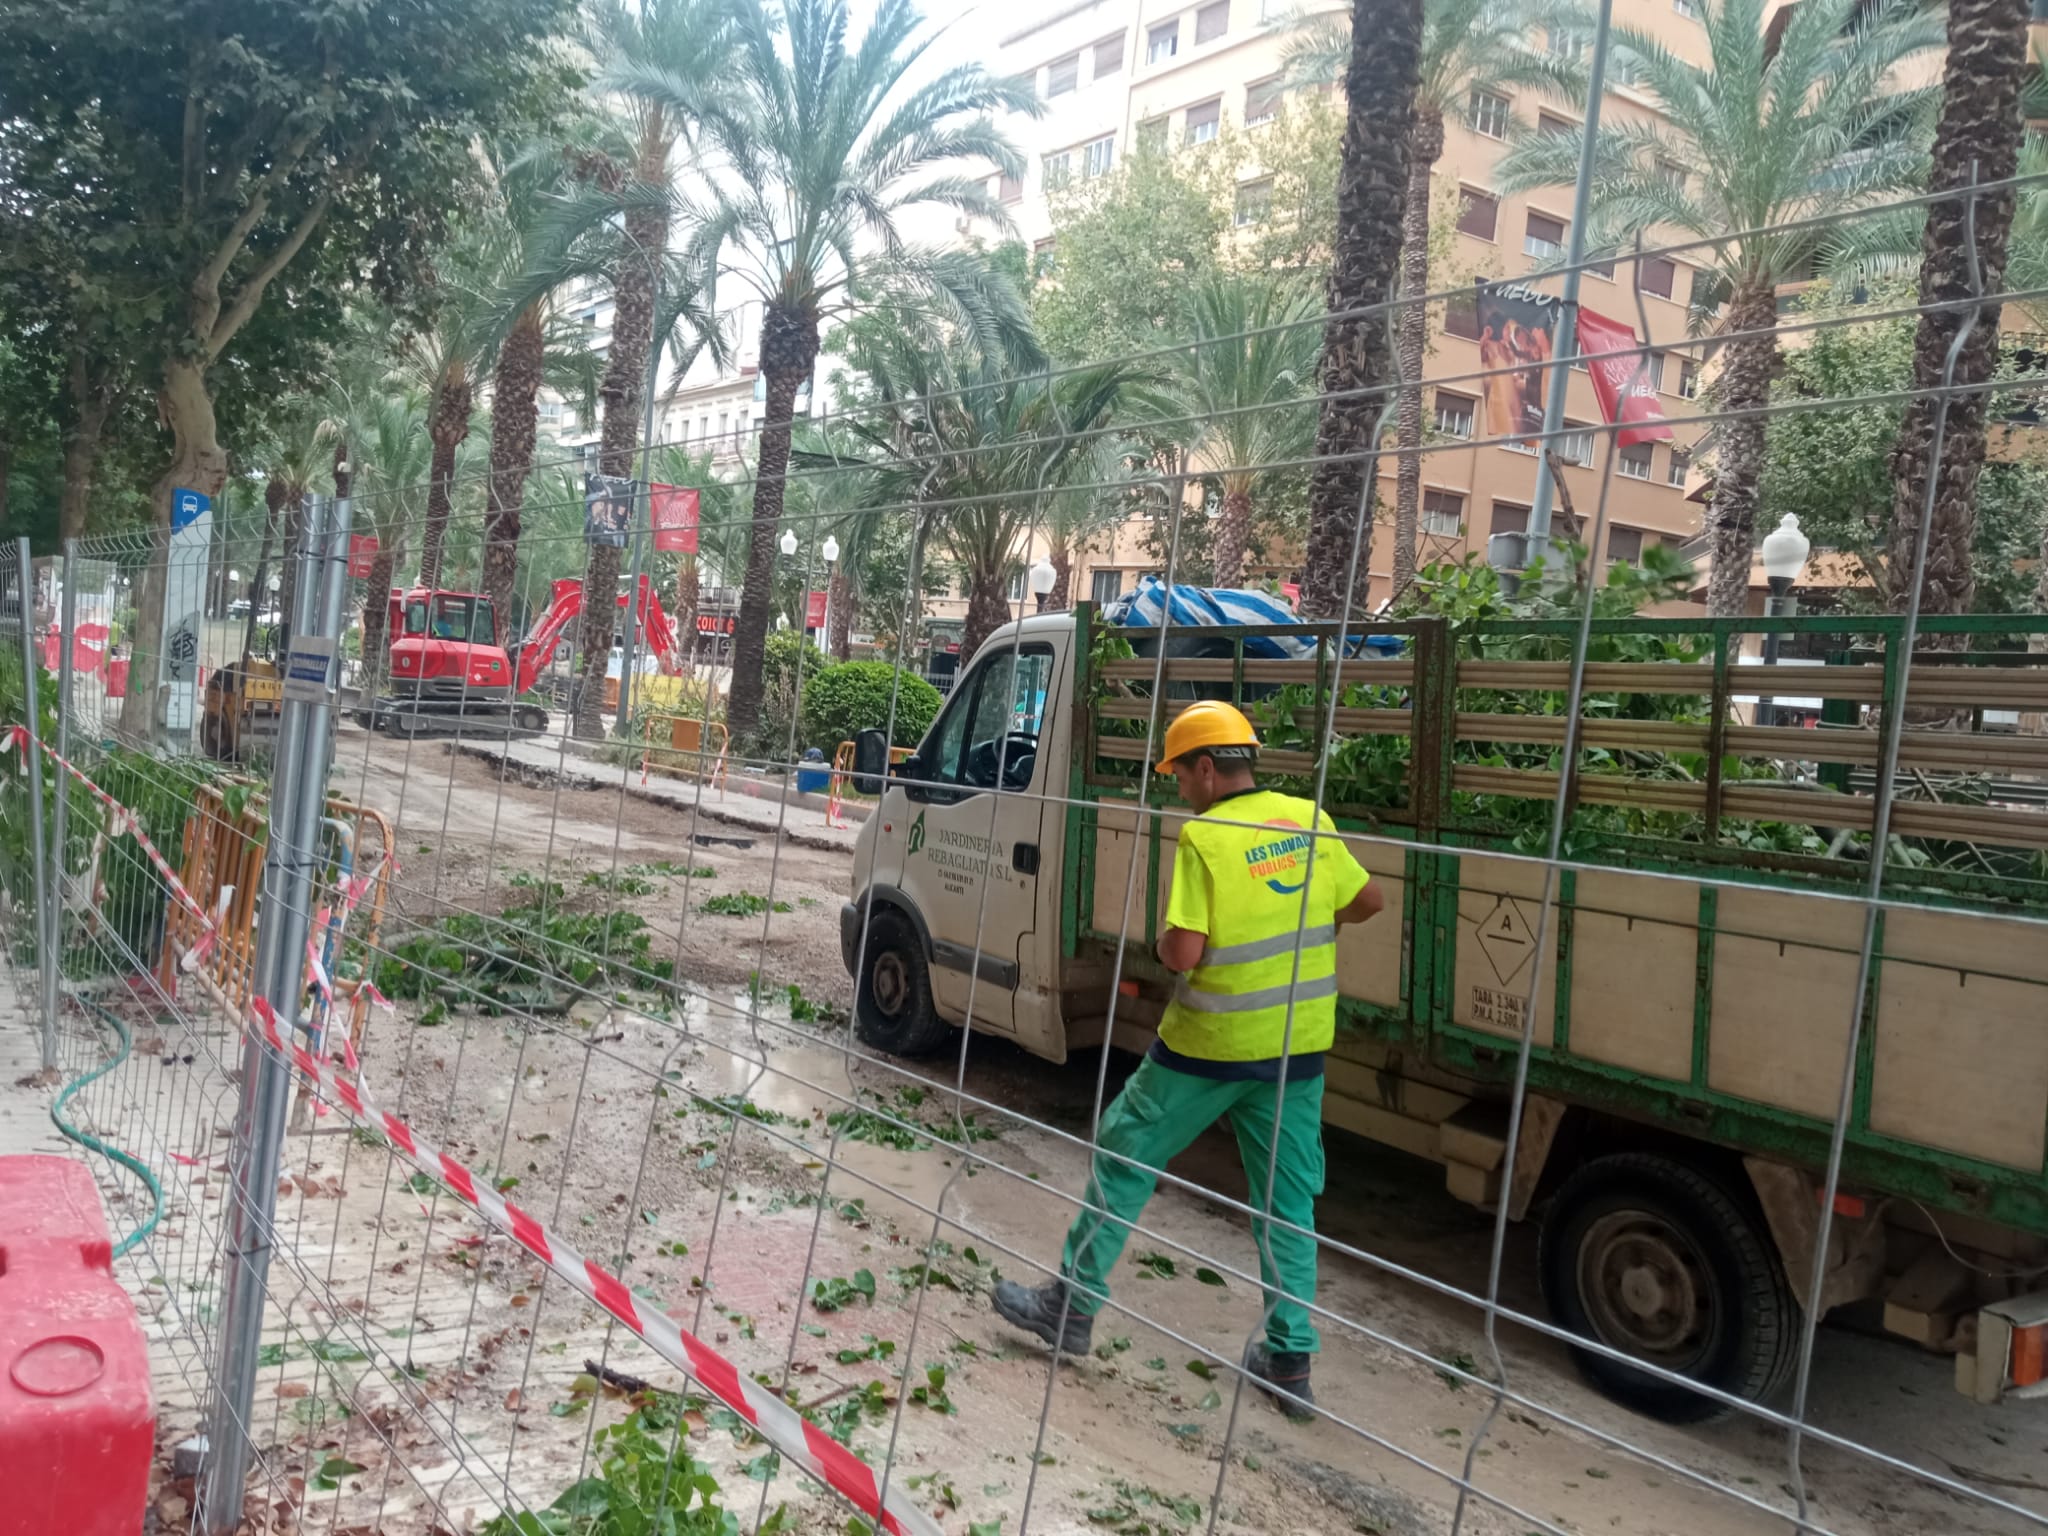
[1114, 74]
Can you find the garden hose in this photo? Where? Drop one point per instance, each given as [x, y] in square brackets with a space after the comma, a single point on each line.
[92, 1143]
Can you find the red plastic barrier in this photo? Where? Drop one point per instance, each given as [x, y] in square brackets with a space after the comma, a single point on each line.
[117, 677]
[77, 1425]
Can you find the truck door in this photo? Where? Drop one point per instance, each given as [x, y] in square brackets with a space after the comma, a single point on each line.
[972, 850]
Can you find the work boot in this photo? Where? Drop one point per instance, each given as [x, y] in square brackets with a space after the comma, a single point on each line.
[1038, 1309]
[1283, 1378]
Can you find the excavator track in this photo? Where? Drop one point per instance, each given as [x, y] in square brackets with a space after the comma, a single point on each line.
[492, 722]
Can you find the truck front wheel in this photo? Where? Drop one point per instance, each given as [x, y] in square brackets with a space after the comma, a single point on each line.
[1664, 1263]
[893, 1009]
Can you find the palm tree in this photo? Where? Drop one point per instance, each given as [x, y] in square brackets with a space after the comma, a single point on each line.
[1977, 140]
[1357, 363]
[1764, 137]
[1467, 46]
[1096, 498]
[1239, 394]
[660, 61]
[823, 155]
[978, 454]
[390, 455]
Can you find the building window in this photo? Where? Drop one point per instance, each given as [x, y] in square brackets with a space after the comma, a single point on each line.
[1058, 168]
[1634, 461]
[1478, 213]
[1211, 22]
[1672, 174]
[1656, 274]
[1041, 255]
[1203, 121]
[1009, 189]
[1443, 513]
[1152, 136]
[1098, 156]
[1162, 42]
[1680, 467]
[1544, 236]
[1254, 202]
[1488, 114]
[1461, 315]
[1624, 545]
[1509, 517]
[1575, 446]
[1454, 414]
[1062, 75]
[1105, 587]
[1653, 371]
[1553, 126]
[1689, 9]
[1624, 69]
[1109, 56]
[1601, 268]
[551, 412]
[1564, 43]
[1688, 379]
[1261, 103]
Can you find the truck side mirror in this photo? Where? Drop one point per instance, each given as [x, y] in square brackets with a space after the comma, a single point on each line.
[870, 761]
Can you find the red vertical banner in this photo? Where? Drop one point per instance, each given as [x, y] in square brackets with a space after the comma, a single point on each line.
[1621, 379]
[814, 611]
[362, 551]
[675, 519]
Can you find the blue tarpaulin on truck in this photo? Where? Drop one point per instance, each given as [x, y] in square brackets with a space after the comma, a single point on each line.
[1203, 607]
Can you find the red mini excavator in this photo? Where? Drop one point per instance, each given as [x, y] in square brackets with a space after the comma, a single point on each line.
[450, 676]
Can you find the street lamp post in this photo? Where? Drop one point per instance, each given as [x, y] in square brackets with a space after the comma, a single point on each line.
[1043, 578]
[830, 550]
[1785, 551]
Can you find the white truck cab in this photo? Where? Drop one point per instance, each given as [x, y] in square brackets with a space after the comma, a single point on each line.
[956, 877]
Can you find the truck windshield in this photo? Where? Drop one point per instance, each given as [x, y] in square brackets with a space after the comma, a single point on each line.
[988, 736]
[461, 618]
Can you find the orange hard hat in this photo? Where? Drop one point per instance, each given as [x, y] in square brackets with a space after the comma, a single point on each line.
[1207, 723]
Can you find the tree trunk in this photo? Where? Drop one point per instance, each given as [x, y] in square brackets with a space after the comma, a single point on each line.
[624, 395]
[448, 425]
[1979, 132]
[689, 587]
[789, 348]
[988, 610]
[198, 463]
[1061, 597]
[839, 594]
[515, 427]
[376, 613]
[1744, 385]
[288, 569]
[91, 399]
[1233, 535]
[274, 493]
[1414, 342]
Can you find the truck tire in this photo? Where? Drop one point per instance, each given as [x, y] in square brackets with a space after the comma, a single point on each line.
[893, 1009]
[1665, 1263]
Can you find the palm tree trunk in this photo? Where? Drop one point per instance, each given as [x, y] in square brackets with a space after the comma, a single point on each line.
[1372, 178]
[376, 614]
[789, 349]
[1978, 138]
[988, 610]
[288, 567]
[1061, 597]
[1744, 386]
[688, 593]
[92, 398]
[1414, 341]
[447, 426]
[624, 394]
[1233, 536]
[515, 426]
[839, 593]
[273, 504]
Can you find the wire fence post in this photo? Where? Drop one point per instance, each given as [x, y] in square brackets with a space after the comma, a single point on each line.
[67, 630]
[32, 764]
[297, 789]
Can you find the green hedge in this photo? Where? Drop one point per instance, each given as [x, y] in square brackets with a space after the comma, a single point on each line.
[844, 700]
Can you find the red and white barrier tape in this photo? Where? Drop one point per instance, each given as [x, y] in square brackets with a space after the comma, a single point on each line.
[801, 1441]
[780, 1425]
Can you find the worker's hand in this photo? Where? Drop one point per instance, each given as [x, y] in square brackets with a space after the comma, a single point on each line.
[1366, 904]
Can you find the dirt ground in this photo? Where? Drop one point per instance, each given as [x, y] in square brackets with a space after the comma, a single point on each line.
[475, 1395]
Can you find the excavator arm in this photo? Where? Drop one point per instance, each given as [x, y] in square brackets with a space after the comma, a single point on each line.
[538, 648]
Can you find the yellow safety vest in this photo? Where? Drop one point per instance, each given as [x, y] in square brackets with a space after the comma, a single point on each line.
[1255, 896]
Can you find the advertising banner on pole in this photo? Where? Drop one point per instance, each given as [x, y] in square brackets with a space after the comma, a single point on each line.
[814, 611]
[608, 509]
[185, 604]
[1517, 332]
[675, 519]
[1621, 379]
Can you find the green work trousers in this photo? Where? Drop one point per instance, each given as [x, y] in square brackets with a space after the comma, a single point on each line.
[1156, 1117]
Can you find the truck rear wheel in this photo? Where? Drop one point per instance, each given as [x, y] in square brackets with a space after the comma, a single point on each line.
[893, 1009]
[1664, 1263]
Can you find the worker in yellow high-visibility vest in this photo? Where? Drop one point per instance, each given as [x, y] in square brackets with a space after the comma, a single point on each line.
[1251, 928]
